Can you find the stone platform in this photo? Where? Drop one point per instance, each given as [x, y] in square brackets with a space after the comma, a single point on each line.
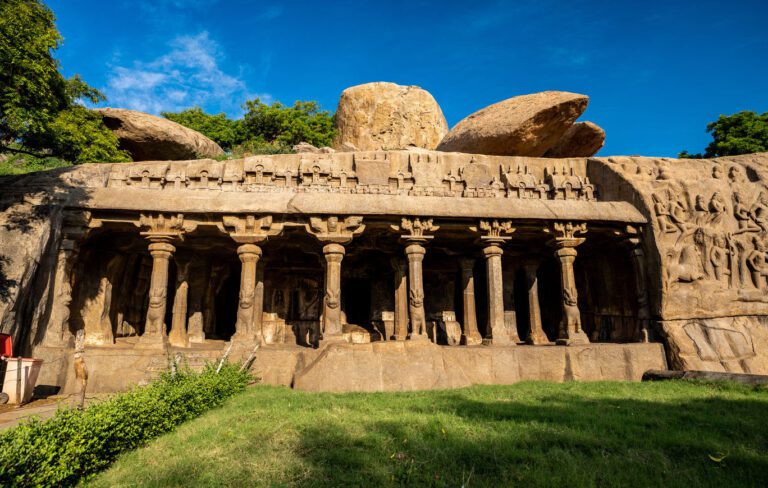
[378, 366]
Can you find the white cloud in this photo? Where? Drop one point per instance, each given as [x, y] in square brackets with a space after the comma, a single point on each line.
[188, 74]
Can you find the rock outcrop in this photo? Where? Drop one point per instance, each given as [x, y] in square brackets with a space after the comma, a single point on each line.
[527, 125]
[147, 137]
[378, 116]
[582, 140]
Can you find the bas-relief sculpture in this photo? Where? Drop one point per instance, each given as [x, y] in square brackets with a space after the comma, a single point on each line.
[708, 219]
[441, 248]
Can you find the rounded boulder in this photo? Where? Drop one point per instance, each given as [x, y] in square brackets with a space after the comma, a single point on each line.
[379, 116]
[150, 138]
[527, 125]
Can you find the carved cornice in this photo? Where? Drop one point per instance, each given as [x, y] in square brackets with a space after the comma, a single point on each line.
[250, 229]
[334, 229]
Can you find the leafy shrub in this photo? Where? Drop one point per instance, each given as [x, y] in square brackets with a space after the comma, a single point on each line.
[224, 131]
[75, 444]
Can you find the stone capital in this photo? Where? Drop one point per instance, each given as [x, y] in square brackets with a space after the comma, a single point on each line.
[161, 249]
[334, 252]
[415, 251]
[494, 231]
[250, 229]
[164, 227]
[248, 252]
[492, 250]
[334, 229]
[467, 264]
[414, 229]
[565, 234]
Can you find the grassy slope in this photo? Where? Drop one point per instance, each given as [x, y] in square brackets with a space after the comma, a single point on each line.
[529, 434]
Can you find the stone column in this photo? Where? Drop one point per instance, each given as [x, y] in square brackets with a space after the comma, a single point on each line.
[536, 334]
[415, 252]
[154, 329]
[471, 335]
[638, 267]
[334, 253]
[570, 325]
[178, 335]
[249, 255]
[401, 299]
[199, 283]
[497, 333]
[58, 334]
[258, 303]
[565, 243]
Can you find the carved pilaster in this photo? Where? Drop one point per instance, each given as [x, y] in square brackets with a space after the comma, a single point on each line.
[493, 236]
[58, 333]
[564, 243]
[401, 298]
[471, 335]
[536, 335]
[414, 237]
[632, 242]
[178, 335]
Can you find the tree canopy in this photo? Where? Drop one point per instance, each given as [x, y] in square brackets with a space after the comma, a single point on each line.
[39, 108]
[265, 128]
[741, 133]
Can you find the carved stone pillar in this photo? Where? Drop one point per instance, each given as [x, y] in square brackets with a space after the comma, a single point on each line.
[633, 244]
[415, 253]
[414, 241]
[492, 238]
[154, 327]
[199, 283]
[258, 303]
[565, 244]
[161, 230]
[58, 333]
[248, 231]
[536, 334]
[249, 255]
[401, 299]
[334, 232]
[498, 332]
[334, 253]
[178, 335]
[471, 335]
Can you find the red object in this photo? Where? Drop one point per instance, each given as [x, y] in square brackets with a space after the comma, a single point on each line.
[6, 346]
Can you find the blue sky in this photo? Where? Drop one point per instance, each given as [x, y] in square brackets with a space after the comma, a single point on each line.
[656, 71]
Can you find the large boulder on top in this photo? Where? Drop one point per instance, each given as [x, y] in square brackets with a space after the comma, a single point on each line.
[148, 137]
[581, 140]
[527, 125]
[380, 115]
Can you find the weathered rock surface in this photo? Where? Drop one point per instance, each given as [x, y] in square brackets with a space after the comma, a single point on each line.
[404, 366]
[527, 125]
[582, 140]
[147, 137]
[377, 116]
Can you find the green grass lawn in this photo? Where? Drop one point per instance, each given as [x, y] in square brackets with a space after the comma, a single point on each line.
[529, 434]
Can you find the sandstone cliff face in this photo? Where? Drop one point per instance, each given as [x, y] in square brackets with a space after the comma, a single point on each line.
[380, 116]
[527, 125]
[147, 137]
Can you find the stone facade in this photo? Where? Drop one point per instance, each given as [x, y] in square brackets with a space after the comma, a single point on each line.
[322, 258]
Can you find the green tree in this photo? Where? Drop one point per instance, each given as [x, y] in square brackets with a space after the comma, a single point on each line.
[741, 133]
[36, 101]
[226, 132]
[285, 126]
